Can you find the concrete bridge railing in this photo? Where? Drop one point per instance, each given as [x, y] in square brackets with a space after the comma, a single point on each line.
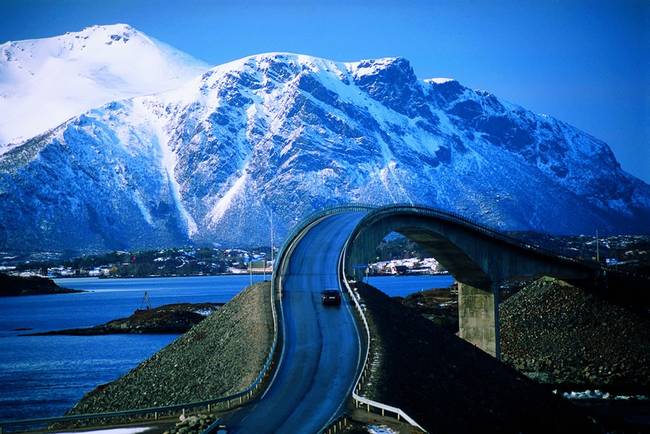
[361, 401]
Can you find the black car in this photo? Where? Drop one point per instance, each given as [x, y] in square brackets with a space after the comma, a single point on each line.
[331, 297]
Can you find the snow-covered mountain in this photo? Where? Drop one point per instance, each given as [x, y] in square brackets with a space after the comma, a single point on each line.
[289, 134]
[44, 82]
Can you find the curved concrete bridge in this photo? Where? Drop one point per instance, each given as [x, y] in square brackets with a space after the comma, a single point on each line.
[478, 257]
[321, 347]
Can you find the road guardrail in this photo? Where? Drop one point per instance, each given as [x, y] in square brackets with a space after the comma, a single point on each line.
[361, 401]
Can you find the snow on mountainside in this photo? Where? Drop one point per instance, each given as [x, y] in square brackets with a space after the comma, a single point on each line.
[44, 82]
[291, 134]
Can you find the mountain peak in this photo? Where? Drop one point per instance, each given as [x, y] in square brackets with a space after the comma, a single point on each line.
[47, 81]
[439, 80]
[105, 28]
[395, 65]
[109, 33]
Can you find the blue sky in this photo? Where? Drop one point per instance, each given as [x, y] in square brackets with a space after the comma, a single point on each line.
[585, 62]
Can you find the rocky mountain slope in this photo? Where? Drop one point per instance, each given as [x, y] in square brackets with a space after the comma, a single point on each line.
[283, 135]
[44, 82]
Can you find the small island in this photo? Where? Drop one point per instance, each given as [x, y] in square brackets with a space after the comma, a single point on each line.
[12, 286]
[167, 319]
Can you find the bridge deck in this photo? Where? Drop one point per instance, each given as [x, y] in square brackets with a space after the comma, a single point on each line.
[320, 356]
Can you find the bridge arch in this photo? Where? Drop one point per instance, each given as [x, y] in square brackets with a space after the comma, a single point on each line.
[479, 257]
[474, 253]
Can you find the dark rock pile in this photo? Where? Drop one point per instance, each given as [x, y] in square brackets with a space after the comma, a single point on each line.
[558, 333]
[437, 305]
[221, 355]
[449, 386]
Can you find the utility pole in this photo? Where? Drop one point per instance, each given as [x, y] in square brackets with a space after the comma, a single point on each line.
[250, 270]
[597, 248]
[271, 219]
[271, 231]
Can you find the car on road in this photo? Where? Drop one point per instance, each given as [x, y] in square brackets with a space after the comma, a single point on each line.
[331, 297]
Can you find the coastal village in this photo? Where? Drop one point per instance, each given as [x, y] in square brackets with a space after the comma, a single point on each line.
[397, 257]
[190, 262]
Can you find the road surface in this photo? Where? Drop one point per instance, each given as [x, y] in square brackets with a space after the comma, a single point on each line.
[320, 357]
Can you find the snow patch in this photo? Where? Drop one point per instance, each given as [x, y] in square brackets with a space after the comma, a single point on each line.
[220, 208]
[168, 165]
[598, 394]
[143, 209]
[380, 429]
[439, 80]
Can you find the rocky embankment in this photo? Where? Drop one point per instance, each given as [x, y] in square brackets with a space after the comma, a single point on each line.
[560, 334]
[16, 286]
[437, 305]
[221, 355]
[449, 386]
[169, 318]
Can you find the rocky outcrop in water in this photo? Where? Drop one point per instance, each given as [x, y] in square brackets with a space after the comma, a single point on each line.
[169, 318]
[15, 286]
[220, 356]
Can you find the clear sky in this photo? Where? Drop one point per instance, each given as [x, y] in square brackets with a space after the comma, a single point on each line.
[585, 62]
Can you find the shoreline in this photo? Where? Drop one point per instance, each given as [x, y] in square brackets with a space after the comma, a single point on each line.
[255, 273]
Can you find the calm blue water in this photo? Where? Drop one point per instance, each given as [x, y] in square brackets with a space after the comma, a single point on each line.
[404, 285]
[44, 376]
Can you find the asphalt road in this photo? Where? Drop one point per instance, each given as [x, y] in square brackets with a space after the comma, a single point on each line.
[320, 358]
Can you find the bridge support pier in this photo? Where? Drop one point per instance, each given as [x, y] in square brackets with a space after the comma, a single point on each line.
[478, 317]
